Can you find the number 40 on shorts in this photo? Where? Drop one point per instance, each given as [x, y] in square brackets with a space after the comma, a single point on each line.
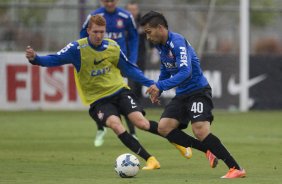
[197, 107]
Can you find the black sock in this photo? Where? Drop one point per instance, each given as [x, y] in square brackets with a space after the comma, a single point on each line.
[218, 149]
[154, 128]
[179, 137]
[130, 126]
[133, 145]
[198, 145]
[100, 125]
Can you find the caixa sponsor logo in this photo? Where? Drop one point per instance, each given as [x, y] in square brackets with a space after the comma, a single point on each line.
[113, 35]
[100, 71]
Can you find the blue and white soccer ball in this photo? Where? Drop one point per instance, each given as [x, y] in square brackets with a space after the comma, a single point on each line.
[127, 165]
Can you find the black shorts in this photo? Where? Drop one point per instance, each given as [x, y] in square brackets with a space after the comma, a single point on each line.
[122, 103]
[190, 107]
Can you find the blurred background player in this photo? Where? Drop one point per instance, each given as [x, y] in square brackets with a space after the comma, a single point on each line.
[98, 63]
[180, 69]
[120, 27]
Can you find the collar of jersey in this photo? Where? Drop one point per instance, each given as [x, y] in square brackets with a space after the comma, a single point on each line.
[167, 42]
[168, 38]
[110, 13]
[101, 47]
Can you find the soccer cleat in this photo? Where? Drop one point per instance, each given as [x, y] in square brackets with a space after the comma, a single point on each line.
[152, 163]
[186, 152]
[99, 139]
[235, 173]
[212, 159]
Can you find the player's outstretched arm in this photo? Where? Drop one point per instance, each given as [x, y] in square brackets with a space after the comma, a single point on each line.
[132, 71]
[70, 54]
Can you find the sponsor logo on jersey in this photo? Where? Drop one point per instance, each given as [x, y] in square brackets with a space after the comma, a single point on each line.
[113, 35]
[101, 71]
[170, 65]
[99, 61]
[183, 56]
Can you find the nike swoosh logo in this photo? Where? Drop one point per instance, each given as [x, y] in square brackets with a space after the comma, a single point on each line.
[197, 115]
[100, 61]
[235, 88]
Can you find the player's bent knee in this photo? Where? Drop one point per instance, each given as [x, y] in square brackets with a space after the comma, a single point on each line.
[115, 124]
[200, 135]
[117, 127]
[166, 125]
[200, 131]
[163, 130]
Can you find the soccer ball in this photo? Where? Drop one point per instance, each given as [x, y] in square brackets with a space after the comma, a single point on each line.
[127, 165]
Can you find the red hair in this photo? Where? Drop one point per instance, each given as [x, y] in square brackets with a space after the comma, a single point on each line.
[96, 19]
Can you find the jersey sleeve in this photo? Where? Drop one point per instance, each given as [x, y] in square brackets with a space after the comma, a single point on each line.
[70, 54]
[132, 71]
[183, 60]
[133, 40]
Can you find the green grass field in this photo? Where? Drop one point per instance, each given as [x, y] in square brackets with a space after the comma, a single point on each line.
[57, 147]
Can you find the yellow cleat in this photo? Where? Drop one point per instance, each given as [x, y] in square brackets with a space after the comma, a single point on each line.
[186, 152]
[152, 163]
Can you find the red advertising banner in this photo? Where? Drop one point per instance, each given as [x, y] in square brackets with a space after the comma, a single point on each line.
[25, 86]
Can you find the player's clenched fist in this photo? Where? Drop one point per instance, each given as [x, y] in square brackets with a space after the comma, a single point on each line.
[30, 53]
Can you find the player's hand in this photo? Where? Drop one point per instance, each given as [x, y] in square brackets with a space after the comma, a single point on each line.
[155, 99]
[30, 53]
[153, 91]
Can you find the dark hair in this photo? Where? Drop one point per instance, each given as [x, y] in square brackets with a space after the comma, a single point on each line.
[153, 19]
